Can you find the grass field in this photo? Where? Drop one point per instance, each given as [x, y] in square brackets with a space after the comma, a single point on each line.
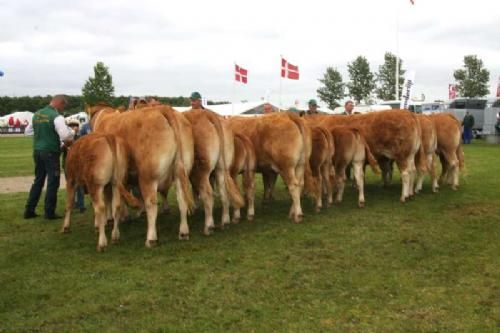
[430, 265]
[16, 156]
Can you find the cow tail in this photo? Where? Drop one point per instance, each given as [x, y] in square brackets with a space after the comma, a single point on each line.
[119, 173]
[232, 189]
[180, 170]
[311, 184]
[368, 153]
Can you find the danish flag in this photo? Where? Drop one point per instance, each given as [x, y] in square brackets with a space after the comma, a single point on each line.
[240, 74]
[288, 70]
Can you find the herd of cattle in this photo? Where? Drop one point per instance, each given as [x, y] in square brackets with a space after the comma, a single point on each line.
[154, 147]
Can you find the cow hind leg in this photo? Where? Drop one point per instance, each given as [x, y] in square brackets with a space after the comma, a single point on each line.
[359, 176]
[116, 207]
[294, 189]
[206, 194]
[148, 191]
[249, 182]
[405, 171]
[327, 185]
[70, 200]
[100, 217]
[319, 198]
[269, 179]
[183, 210]
[340, 179]
[224, 196]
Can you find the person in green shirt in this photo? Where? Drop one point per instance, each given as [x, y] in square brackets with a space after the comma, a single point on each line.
[49, 130]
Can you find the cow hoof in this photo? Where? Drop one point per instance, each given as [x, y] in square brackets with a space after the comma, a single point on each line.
[236, 220]
[115, 240]
[454, 188]
[402, 200]
[317, 209]
[298, 219]
[101, 248]
[183, 236]
[250, 218]
[65, 230]
[361, 204]
[209, 230]
[151, 243]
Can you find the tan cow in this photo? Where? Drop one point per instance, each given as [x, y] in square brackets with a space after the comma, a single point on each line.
[351, 148]
[429, 144]
[322, 153]
[392, 134]
[449, 147]
[283, 145]
[154, 141]
[244, 163]
[214, 151]
[98, 162]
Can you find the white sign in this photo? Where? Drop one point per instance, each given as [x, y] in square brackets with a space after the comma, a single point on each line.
[407, 87]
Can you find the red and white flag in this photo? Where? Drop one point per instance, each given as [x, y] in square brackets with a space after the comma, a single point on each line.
[288, 70]
[452, 91]
[240, 74]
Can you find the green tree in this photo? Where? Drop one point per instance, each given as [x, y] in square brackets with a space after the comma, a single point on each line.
[333, 88]
[472, 80]
[100, 87]
[386, 78]
[362, 79]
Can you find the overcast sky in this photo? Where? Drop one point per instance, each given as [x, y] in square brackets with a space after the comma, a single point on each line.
[172, 48]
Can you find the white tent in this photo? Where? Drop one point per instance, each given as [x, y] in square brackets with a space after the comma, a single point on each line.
[82, 117]
[23, 116]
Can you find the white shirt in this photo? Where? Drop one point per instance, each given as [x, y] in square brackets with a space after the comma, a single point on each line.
[65, 133]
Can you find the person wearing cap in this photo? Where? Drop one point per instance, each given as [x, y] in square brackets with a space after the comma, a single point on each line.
[348, 107]
[196, 101]
[49, 130]
[313, 107]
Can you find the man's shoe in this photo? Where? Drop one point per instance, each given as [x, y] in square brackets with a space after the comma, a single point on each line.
[30, 215]
[53, 217]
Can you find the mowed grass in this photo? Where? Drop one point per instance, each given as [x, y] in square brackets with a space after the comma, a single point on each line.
[430, 265]
[16, 156]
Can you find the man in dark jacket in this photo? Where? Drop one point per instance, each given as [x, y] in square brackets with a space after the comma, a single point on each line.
[468, 124]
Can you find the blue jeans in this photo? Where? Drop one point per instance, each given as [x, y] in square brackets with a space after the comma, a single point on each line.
[47, 165]
[467, 135]
[79, 198]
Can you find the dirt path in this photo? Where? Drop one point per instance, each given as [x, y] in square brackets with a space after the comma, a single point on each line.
[21, 184]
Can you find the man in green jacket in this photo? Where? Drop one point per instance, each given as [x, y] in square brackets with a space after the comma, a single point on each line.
[50, 131]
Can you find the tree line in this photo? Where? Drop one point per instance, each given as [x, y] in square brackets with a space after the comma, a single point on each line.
[364, 85]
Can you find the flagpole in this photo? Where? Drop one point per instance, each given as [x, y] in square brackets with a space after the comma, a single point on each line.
[397, 52]
[281, 83]
[233, 92]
